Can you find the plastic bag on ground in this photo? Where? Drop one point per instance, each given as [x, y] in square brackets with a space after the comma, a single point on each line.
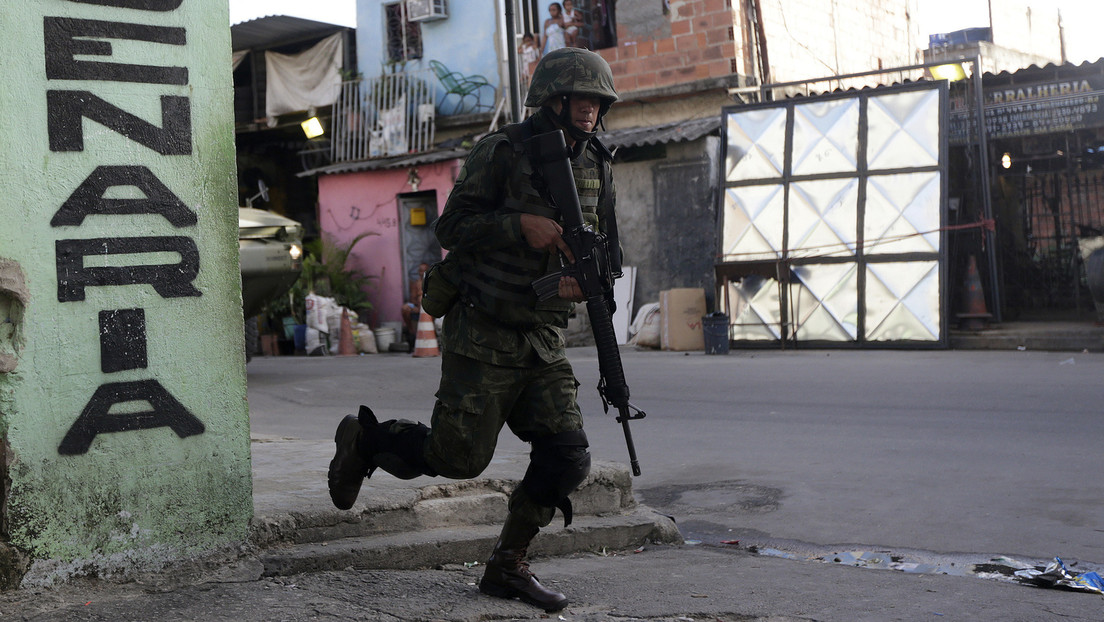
[1057, 575]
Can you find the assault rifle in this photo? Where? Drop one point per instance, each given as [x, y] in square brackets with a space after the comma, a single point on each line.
[552, 177]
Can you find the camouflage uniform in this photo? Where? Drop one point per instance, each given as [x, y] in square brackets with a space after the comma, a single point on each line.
[498, 371]
[503, 359]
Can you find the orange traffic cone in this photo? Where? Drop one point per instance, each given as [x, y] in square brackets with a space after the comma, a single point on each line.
[425, 343]
[974, 316]
[345, 346]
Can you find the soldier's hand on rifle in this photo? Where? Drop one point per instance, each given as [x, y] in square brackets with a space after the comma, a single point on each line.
[544, 234]
[570, 289]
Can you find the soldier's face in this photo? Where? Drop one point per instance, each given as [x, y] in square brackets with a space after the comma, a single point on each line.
[583, 110]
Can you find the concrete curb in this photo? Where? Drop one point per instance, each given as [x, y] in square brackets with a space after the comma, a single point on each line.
[399, 525]
[383, 510]
[468, 544]
[1051, 337]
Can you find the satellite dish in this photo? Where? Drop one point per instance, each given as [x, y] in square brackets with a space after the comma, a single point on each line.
[263, 187]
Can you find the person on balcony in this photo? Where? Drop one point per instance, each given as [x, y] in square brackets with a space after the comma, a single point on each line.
[528, 54]
[503, 357]
[554, 29]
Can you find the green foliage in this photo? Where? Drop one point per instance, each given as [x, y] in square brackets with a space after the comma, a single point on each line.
[326, 273]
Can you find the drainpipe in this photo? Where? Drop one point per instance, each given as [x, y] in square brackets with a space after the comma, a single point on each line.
[761, 46]
[986, 196]
[512, 62]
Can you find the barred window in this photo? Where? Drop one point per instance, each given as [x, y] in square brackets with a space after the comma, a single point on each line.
[404, 38]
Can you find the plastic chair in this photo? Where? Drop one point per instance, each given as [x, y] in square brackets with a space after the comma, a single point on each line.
[462, 86]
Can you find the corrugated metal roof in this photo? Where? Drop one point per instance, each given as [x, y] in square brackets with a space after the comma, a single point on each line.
[632, 137]
[1048, 71]
[276, 30]
[427, 157]
[680, 131]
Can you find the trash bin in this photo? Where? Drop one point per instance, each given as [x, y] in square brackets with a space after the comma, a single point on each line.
[299, 337]
[715, 330]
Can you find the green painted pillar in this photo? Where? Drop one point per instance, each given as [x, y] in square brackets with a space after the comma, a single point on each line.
[124, 430]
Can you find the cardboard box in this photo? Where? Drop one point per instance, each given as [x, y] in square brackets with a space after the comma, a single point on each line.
[680, 323]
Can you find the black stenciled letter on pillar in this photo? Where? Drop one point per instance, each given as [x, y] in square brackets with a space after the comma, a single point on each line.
[66, 111]
[165, 411]
[89, 199]
[145, 5]
[123, 340]
[65, 41]
[168, 280]
[122, 332]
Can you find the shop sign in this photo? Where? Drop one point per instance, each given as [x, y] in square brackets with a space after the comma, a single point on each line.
[1033, 109]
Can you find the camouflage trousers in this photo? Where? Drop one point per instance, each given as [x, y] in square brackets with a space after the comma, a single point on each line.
[476, 399]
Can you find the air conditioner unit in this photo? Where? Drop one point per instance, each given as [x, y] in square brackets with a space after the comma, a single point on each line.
[426, 10]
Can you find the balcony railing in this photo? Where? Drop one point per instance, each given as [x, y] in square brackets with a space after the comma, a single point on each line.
[385, 116]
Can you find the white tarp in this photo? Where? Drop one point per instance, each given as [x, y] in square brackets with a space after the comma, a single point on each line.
[305, 80]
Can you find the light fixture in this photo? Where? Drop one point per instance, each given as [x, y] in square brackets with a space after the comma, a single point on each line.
[952, 71]
[312, 127]
[1006, 160]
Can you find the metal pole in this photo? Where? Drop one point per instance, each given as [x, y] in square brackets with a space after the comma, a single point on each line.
[986, 198]
[511, 54]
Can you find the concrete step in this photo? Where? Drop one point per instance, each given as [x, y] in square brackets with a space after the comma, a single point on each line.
[386, 508]
[468, 544]
[395, 525]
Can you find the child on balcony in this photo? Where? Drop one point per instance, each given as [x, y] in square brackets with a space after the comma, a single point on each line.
[572, 20]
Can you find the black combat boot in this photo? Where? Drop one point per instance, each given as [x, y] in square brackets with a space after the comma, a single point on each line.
[365, 444]
[350, 465]
[507, 574]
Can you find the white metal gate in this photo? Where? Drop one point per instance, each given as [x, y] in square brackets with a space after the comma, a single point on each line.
[832, 218]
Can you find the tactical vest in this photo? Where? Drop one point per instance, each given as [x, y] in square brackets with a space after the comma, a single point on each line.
[499, 282]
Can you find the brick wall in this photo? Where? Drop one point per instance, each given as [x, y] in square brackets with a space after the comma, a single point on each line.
[695, 41]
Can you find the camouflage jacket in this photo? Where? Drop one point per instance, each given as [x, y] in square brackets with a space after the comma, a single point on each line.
[477, 222]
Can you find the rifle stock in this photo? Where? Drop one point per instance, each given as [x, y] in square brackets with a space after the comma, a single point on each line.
[591, 269]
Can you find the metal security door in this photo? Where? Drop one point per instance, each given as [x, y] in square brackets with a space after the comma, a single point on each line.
[832, 218]
[418, 212]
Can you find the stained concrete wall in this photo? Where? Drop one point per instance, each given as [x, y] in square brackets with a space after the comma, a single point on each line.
[667, 219]
[123, 420]
[813, 38]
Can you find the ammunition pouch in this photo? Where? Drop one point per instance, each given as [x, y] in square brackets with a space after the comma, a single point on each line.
[439, 291]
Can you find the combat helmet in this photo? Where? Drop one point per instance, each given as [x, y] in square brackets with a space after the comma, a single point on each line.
[572, 71]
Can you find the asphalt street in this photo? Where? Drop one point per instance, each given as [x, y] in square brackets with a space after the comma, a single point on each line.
[976, 453]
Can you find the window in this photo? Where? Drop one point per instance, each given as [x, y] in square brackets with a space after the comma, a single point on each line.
[599, 27]
[601, 22]
[404, 38]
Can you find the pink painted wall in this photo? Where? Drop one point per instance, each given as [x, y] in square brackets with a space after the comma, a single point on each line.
[351, 203]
